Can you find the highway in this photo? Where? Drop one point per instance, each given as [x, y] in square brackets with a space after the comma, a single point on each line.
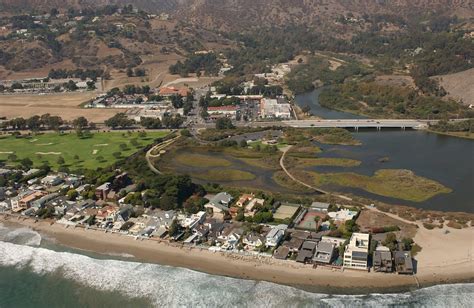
[359, 123]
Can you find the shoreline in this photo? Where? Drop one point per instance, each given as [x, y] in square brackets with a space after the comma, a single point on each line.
[244, 267]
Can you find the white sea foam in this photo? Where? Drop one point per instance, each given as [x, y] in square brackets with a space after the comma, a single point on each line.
[22, 236]
[171, 287]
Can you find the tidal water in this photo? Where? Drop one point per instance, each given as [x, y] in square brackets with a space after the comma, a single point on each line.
[38, 274]
[445, 159]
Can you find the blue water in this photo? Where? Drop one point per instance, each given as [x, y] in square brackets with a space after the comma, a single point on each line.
[447, 160]
[34, 276]
[311, 99]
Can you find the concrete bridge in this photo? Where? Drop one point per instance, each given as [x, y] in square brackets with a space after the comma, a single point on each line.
[360, 123]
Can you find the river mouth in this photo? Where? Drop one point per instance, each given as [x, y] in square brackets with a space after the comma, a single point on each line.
[444, 159]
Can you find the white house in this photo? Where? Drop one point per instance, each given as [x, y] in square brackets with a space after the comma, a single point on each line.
[357, 251]
[275, 235]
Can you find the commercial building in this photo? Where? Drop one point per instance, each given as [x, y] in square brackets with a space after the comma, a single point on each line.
[275, 108]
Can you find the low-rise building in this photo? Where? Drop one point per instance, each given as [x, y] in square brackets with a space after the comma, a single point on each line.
[382, 260]
[324, 253]
[403, 262]
[51, 180]
[320, 206]
[356, 252]
[227, 111]
[102, 191]
[342, 215]
[275, 108]
[306, 252]
[220, 202]
[275, 235]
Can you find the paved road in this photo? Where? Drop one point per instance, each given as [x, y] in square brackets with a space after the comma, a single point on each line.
[359, 123]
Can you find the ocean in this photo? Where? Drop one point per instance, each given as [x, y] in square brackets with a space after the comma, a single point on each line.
[36, 272]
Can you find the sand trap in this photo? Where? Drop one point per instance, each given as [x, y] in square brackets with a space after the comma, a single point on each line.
[95, 152]
[7, 152]
[34, 140]
[101, 145]
[49, 153]
[45, 143]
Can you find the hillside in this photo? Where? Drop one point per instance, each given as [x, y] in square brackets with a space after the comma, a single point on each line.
[240, 14]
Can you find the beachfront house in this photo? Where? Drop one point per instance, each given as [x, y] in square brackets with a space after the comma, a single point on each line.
[306, 252]
[253, 240]
[275, 235]
[382, 260]
[403, 262]
[324, 253]
[356, 252]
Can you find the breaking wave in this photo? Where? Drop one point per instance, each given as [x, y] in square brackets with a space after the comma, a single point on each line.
[171, 287]
[20, 236]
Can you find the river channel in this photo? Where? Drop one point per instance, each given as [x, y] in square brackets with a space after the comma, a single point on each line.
[448, 160]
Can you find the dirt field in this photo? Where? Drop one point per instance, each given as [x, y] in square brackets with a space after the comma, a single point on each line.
[65, 105]
[459, 86]
[370, 219]
[395, 80]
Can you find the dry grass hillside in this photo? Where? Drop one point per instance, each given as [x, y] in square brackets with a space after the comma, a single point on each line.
[459, 86]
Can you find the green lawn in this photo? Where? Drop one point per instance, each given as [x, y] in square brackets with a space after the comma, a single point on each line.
[93, 152]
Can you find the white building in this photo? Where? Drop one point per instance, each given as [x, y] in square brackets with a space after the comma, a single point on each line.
[275, 108]
[342, 215]
[357, 251]
[275, 235]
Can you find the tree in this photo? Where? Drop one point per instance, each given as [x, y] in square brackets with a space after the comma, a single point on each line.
[72, 194]
[117, 155]
[70, 86]
[390, 241]
[119, 120]
[306, 109]
[185, 133]
[80, 123]
[34, 123]
[173, 229]
[129, 72]
[243, 143]
[26, 163]
[224, 123]
[61, 160]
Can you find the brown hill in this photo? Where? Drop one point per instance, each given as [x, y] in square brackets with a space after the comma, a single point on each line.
[240, 14]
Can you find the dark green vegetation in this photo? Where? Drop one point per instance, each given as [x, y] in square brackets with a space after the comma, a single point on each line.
[301, 137]
[302, 79]
[375, 100]
[459, 129]
[207, 63]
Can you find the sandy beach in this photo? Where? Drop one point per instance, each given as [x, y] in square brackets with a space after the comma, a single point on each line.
[284, 272]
